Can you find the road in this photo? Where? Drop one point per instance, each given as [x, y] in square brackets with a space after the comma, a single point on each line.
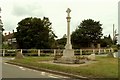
[13, 71]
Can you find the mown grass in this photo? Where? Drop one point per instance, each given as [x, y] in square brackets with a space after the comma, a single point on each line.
[104, 67]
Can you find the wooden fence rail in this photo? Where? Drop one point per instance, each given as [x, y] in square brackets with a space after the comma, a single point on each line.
[39, 52]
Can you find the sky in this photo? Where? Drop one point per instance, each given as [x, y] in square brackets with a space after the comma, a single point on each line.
[105, 11]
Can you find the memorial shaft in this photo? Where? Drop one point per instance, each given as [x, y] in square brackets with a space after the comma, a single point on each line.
[68, 45]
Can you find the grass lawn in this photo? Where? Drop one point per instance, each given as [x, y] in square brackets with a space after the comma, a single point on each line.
[105, 67]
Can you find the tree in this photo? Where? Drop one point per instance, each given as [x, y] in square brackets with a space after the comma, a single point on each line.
[1, 24]
[61, 42]
[1, 31]
[35, 33]
[88, 32]
[106, 41]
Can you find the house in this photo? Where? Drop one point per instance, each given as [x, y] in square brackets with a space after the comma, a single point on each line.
[9, 39]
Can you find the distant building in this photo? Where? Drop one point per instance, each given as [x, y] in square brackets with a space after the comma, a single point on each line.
[9, 39]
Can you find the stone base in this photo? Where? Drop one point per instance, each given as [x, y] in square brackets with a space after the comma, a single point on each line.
[68, 58]
[68, 53]
[91, 57]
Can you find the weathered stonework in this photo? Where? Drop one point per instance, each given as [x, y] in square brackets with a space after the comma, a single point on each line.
[68, 53]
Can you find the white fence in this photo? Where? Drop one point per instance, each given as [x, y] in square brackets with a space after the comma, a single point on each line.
[52, 52]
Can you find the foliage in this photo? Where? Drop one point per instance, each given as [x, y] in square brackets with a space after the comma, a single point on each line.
[61, 42]
[106, 41]
[35, 33]
[118, 46]
[115, 40]
[6, 46]
[88, 32]
[1, 30]
[1, 24]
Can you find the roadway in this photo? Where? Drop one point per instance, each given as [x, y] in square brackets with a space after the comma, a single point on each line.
[13, 71]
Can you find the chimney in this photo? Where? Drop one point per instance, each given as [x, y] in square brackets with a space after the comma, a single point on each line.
[9, 33]
[5, 34]
[13, 31]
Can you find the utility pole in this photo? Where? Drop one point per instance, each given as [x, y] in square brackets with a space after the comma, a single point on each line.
[113, 32]
[119, 23]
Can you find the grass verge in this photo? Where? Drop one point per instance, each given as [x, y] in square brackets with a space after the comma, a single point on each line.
[105, 67]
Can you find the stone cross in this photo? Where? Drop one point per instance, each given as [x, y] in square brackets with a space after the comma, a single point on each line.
[68, 45]
[68, 11]
[68, 52]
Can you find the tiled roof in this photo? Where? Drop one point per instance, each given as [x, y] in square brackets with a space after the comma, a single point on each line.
[10, 36]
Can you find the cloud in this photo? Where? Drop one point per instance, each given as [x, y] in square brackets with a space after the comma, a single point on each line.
[14, 11]
[27, 10]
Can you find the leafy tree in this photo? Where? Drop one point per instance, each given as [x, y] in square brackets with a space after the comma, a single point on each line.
[1, 31]
[87, 33]
[35, 33]
[115, 40]
[118, 46]
[106, 41]
[110, 42]
[61, 42]
[1, 24]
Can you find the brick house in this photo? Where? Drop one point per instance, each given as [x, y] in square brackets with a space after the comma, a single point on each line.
[9, 39]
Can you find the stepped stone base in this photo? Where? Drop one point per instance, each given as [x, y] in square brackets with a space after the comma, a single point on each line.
[68, 58]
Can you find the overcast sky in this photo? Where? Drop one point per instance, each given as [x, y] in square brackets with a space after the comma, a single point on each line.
[105, 11]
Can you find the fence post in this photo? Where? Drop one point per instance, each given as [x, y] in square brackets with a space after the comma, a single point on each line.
[93, 51]
[109, 50]
[39, 52]
[3, 52]
[21, 51]
[112, 50]
[99, 51]
[54, 52]
[80, 51]
[104, 51]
